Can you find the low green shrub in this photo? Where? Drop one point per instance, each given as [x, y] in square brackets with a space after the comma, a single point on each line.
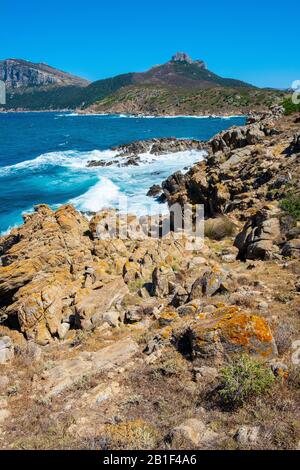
[291, 205]
[290, 107]
[243, 379]
[172, 364]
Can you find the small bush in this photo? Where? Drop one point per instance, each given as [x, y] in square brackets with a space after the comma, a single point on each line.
[291, 205]
[290, 107]
[219, 228]
[294, 378]
[172, 364]
[129, 435]
[283, 337]
[243, 379]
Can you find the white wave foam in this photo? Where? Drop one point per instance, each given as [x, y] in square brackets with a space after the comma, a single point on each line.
[177, 116]
[134, 182]
[67, 115]
[69, 159]
[8, 230]
[78, 160]
[103, 194]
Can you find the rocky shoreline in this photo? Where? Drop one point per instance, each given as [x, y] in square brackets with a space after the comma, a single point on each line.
[100, 337]
[129, 154]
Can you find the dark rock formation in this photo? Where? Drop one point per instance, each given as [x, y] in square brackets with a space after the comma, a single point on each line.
[131, 152]
[155, 190]
[183, 57]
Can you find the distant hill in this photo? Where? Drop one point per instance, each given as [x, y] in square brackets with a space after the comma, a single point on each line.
[20, 74]
[182, 71]
[66, 97]
[181, 85]
[163, 100]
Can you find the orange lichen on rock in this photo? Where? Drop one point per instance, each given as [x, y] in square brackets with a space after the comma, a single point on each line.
[168, 316]
[230, 330]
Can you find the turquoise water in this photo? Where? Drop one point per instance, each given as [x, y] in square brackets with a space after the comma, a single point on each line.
[43, 159]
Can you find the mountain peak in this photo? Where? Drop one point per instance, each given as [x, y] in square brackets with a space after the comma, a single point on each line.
[20, 73]
[184, 57]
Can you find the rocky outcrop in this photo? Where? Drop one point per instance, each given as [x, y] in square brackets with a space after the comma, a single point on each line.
[210, 283]
[129, 154]
[230, 330]
[59, 271]
[155, 190]
[42, 269]
[91, 305]
[265, 237]
[196, 431]
[70, 371]
[185, 58]
[291, 249]
[260, 236]
[245, 166]
[237, 137]
[17, 73]
[128, 325]
[163, 278]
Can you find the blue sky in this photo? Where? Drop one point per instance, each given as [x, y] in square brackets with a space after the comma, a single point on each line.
[255, 41]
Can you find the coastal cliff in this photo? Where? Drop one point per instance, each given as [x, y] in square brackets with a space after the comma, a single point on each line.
[100, 337]
[20, 74]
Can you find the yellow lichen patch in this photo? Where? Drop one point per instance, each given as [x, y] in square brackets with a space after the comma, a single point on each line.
[135, 434]
[201, 316]
[103, 265]
[119, 265]
[168, 316]
[278, 149]
[224, 310]
[169, 259]
[220, 305]
[166, 333]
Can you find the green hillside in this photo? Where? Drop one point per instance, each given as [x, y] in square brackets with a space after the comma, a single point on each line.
[180, 86]
[151, 99]
[67, 97]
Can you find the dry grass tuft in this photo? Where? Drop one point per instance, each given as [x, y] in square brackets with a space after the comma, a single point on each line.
[219, 228]
[135, 434]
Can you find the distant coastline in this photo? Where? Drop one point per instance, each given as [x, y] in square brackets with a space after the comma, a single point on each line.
[125, 115]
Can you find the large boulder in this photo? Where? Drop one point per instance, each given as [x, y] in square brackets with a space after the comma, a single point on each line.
[260, 236]
[291, 248]
[210, 283]
[91, 305]
[195, 431]
[230, 330]
[70, 371]
[254, 135]
[237, 137]
[163, 278]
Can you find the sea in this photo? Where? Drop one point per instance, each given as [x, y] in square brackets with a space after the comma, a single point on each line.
[44, 155]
